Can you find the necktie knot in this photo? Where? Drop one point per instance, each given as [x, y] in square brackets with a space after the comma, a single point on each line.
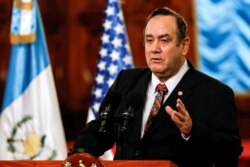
[161, 87]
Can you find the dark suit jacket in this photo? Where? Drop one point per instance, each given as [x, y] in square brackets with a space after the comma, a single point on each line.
[211, 105]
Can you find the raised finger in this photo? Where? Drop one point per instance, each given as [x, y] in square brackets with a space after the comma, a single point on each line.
[181, 107]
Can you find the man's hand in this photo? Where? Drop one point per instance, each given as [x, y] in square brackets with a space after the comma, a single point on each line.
[181, 118]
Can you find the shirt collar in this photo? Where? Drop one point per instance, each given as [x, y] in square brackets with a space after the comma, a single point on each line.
[173, 81]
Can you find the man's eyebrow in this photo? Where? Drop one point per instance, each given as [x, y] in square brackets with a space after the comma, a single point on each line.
[159, 36]
[148, 35]
[163, 35]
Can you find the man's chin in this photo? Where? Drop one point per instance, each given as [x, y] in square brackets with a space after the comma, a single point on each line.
[156, 69]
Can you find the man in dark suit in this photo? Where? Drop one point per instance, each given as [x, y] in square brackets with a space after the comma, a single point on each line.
[195, 119]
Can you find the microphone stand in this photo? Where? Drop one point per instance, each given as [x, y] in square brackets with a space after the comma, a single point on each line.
[104, 119]
[120, 143]
[126, 116]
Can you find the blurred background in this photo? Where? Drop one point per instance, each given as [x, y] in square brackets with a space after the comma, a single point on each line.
[73, 30]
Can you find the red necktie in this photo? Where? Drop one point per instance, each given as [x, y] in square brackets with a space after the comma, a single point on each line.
[161, 91]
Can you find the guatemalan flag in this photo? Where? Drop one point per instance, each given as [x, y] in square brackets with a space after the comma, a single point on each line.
[114, 55]
[30, 121]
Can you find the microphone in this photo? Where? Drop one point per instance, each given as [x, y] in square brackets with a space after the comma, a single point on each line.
[110, 103]
[133, 102]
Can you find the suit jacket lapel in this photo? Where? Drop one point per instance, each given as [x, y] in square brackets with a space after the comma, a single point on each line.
[183, 90]
[141, 87]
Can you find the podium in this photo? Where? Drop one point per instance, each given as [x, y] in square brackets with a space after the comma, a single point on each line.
[55, 163]
[79, 160]
[87, 160]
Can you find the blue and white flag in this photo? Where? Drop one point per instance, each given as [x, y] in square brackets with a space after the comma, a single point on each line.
[30, 120]
[114, 55]
[224, 41]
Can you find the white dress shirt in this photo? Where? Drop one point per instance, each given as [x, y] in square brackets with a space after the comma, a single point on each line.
[150, 95]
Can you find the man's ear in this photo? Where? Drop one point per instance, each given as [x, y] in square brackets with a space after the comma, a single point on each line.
[185, 45]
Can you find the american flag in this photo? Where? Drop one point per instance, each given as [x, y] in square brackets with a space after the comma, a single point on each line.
[114, 55]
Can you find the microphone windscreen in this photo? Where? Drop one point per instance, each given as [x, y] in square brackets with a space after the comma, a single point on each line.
[113, 98]
[134, 99]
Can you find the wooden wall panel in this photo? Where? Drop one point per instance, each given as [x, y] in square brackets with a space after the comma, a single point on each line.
[5, 14]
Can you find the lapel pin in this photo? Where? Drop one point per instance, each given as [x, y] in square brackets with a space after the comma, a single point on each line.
[180, 93]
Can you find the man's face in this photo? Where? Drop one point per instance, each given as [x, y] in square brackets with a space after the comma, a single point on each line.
[164, 53]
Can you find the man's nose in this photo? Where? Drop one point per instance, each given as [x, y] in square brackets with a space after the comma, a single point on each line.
[156, 47]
